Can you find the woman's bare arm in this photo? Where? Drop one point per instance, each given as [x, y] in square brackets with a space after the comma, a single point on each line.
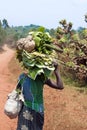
[58, 84]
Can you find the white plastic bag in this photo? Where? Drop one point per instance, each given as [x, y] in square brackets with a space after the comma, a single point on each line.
[13, 105]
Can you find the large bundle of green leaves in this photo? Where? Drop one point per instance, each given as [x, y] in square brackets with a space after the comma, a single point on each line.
[37, 63]
[40, 58]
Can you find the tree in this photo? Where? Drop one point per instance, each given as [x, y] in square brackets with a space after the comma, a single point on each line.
[52, 32]
[5, 24]
[0, 24]
[2, 33]
[86, 17]
[66, 26]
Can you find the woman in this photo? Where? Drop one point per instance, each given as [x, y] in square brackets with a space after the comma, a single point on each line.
[31, 116]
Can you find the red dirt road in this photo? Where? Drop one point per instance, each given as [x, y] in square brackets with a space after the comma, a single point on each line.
[5, 88]
[64, 110]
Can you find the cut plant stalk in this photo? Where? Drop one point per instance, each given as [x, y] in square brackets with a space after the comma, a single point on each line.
[53, 47]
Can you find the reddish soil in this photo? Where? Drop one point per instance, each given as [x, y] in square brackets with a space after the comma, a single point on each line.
[5, 88]
[64, 110]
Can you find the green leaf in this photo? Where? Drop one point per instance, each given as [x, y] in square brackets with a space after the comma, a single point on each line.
[34, 71]
[47, 72]
[37, 41]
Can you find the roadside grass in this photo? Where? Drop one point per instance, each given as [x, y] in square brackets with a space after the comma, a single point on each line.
[81, 87]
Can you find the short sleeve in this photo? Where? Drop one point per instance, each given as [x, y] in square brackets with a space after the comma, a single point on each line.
[21, 76]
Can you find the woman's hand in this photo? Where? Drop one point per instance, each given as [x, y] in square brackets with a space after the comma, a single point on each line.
[55, 64]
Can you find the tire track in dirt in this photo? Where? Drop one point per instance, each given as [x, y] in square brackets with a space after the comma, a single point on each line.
[5, 88]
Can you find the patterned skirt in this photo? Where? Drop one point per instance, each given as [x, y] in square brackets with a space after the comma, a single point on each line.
[29, 119]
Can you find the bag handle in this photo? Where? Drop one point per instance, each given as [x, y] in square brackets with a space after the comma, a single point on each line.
[19, 87]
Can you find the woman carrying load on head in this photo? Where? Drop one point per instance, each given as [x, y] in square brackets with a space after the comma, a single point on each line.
[31, 116]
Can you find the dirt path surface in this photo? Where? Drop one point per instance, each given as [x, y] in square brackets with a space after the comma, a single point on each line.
[64, 110]
[5, 88]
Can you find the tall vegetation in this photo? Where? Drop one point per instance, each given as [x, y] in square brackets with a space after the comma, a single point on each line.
[2, 33]
[86, 17]
[5, 23]
[74, 57]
